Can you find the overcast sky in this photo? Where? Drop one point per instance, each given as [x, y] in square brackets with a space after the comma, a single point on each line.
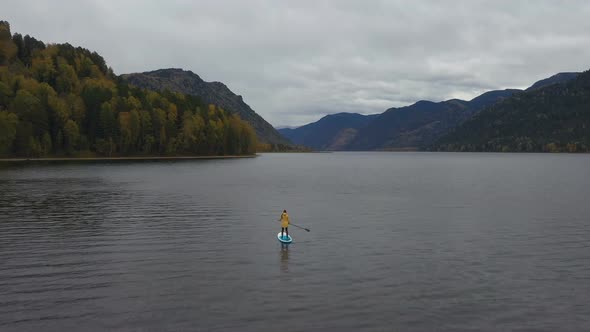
[296, 61]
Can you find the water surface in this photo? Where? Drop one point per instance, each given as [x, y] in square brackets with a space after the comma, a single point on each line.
[398, 241]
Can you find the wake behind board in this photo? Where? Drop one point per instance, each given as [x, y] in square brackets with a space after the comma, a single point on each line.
[285, 238]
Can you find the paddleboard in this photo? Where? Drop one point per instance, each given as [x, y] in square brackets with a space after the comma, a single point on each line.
[284, 238]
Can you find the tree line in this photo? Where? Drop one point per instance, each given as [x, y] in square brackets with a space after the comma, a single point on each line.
[60, 100]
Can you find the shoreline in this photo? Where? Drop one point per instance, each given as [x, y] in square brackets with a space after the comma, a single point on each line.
[125, 158]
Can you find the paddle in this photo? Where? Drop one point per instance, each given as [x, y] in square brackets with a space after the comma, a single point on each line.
[307, 229]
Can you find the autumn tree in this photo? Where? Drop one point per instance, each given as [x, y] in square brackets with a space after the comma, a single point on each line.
[8, 50]
[8, 123]
[71, 136]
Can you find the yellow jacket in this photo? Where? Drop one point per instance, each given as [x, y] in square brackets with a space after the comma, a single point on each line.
[284, 220]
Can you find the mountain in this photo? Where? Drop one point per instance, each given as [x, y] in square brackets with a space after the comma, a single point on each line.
[490, 97]
[187, 82]
[551, 118]
[57, 100]
[332, 132]
[558, 78]
[420, 124]
[411, 127]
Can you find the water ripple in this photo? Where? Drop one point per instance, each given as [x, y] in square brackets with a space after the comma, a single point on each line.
[191, 246]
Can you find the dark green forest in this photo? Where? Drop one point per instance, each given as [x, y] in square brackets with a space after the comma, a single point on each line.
[60, 100]
[555, 118]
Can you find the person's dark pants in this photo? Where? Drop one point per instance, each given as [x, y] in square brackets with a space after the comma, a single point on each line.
[284, 230]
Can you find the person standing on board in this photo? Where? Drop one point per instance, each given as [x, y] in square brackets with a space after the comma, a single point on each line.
[284, 223]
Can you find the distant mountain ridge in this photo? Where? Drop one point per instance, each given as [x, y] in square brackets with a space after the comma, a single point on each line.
[187, 82]
[416, 126]
[548, 118]
[419, 124]
[406, 127]
[332, 132]
[558, 78]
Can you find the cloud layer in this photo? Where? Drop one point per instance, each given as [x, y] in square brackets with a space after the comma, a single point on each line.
[295, 61]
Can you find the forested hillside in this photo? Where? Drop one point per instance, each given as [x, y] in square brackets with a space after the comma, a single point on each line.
[189, 83]
[554, 118]
[60, 100]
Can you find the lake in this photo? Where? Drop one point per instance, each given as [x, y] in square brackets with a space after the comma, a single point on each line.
[398, 241]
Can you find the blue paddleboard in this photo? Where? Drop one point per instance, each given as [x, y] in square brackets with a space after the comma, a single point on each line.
[284, 238]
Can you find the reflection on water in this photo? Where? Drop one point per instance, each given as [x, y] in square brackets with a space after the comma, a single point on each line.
[284, 257]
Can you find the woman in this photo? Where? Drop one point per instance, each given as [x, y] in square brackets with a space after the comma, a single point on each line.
[284, 223]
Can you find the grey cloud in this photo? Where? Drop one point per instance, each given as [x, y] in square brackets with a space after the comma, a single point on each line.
[296, 61]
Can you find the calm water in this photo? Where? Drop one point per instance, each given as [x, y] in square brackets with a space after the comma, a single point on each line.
[398, 241]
